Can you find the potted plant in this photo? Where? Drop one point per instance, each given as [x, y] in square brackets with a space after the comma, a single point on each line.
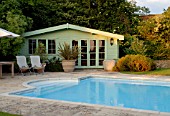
[69, 55]
[41, 51]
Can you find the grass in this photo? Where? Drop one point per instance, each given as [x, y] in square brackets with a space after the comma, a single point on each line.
[165, 72]
[7, 114]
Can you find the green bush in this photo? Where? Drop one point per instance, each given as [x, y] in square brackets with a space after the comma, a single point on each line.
[54, 65]
[123, 63]
[137, 63]
[41, 51]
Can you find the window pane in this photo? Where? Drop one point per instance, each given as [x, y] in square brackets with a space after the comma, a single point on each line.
[93, 56]
[42, 41]
[92, 62]
[100, 62]
[83, 56]
[101, 49]
[51, 47]
[93, 45]
[83, 42]
[83, 49]
[83, 62]
[101, 52]
[101, 43]
[32, 46]
[101, 55]
[74, 43]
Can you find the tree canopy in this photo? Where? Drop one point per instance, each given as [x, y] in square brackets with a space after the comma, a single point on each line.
[18, 16]
[13, 20]
[118, 16]
[154, 34]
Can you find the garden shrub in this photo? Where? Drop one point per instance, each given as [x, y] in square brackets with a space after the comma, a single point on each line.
[123, 64]
[137, 63]
[141, 63]
[54, 65]
[41, 51]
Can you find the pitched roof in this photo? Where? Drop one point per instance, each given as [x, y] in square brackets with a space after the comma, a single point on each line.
[74, 27]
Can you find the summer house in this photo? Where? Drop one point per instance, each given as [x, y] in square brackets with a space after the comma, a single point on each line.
[95, 45]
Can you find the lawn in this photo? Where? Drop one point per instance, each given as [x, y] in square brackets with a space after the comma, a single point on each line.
[165, 72]
[7, 114]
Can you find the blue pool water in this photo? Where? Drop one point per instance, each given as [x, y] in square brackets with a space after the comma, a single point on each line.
[110, 92]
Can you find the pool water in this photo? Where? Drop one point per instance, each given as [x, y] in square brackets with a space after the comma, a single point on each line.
[110, 92]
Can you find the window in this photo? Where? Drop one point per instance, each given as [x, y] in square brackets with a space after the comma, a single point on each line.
[92, 52]
[32, 46]
[83, 52]
[101, 51]
[51, 47]
[75, 43]
[42, 41]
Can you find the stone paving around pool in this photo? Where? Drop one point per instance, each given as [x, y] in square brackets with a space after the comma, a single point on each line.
[40, 107]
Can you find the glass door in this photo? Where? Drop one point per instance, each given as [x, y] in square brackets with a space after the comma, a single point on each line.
[84, 52]
[92, 52]
[101, 52]
[75, 43]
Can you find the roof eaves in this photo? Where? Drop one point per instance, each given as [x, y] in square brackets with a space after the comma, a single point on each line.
[75, 27]
[94, 31]
[41, 31]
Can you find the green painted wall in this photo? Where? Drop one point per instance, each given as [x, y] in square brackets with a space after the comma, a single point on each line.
[67, 36]
[112, 51]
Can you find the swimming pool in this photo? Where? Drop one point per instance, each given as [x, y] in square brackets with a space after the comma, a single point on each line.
[146, 95]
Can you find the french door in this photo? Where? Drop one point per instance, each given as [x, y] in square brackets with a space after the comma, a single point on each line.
[92, 53]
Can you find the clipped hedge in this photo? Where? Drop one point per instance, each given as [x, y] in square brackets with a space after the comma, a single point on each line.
[136, 63]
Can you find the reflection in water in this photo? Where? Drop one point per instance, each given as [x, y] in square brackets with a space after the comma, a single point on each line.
[109, 92]
[131, 95]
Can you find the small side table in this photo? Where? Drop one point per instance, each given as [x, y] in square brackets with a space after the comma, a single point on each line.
[7, 63]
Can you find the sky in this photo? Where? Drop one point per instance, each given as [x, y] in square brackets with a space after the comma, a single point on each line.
[155, 6]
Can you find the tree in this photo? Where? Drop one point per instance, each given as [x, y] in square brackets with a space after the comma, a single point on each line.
[118, 16]
[156, 32]
[18, 16]
[164, 28]
[13, 20]
[137, 47]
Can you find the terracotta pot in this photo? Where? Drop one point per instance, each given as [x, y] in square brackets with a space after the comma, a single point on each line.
[68, 65]
[40, 70]
[108, 65]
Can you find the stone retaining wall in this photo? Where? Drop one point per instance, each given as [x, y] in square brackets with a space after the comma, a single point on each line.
[162, 63]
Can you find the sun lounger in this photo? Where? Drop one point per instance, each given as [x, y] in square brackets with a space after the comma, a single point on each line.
[22, 63]
[37, 66]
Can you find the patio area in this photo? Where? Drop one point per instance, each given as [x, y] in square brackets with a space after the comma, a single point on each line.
[34, 107]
